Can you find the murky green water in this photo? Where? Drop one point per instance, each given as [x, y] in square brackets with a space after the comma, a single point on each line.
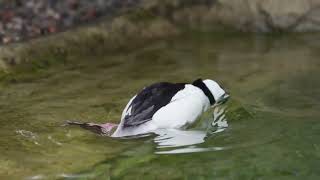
[273, 116]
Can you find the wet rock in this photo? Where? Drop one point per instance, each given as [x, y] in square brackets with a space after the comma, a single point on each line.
[153, 20]
[244, 15]
[21, 20]
[270, 15]
[27, 19]
[123, 32]
[158, 29]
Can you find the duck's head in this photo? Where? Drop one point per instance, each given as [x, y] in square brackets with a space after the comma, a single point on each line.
[219, 94]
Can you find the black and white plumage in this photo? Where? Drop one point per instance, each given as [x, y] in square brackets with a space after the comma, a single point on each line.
[163, 106]
[146, 103]
[168, 105]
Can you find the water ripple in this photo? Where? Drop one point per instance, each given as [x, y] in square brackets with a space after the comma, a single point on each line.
[186, 141]
[28, 135]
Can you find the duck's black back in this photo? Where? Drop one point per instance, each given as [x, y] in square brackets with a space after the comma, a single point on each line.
[149, 101]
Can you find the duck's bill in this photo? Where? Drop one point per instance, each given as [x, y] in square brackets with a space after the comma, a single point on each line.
[223, 99]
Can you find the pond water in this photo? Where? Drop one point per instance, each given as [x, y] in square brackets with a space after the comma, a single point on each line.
[269, 129]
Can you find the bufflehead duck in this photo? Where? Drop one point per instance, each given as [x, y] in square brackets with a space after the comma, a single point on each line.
[162, 105]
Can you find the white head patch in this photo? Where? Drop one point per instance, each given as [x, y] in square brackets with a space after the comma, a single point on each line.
[214, 88]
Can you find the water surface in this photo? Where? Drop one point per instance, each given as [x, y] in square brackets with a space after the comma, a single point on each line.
[268, 130]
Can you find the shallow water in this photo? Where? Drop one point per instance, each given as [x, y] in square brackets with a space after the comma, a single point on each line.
[269, 129]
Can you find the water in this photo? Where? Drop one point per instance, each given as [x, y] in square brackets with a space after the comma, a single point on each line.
[269, 129]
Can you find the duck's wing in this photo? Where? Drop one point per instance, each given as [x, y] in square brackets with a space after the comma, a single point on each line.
[146, 103]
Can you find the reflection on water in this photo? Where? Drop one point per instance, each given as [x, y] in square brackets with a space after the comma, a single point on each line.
[219, 122]
[186, 141]
[191, 149]
[176, 138]
[63, 176]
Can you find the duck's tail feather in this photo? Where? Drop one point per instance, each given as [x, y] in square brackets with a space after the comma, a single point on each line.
[102, 129]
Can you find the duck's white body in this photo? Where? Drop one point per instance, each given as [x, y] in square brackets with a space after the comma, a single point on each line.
[184, 108]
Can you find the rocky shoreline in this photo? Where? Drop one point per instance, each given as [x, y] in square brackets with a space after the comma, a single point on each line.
[32, 18]
[22, 20]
